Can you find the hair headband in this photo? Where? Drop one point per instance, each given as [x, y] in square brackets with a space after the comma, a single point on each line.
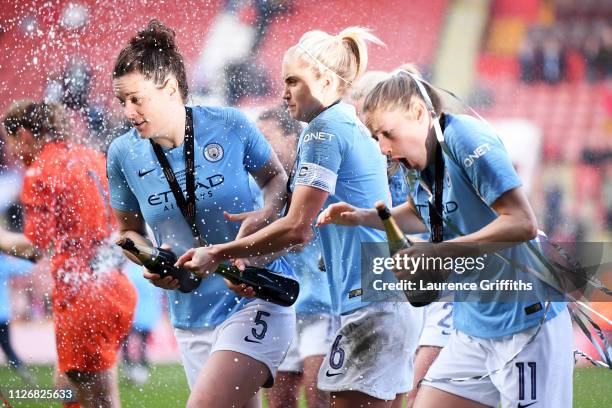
[321, 64]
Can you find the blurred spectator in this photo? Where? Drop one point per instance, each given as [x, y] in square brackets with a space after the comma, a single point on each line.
[266, 10]
[90, 121]
[227, 41]
[553, 60]
[577, 45]
[11, 175]
[597, 51]
[529, 61]
[227, 68]
[542, 56]
[592, 50]
[553, 203]
[246, 76]
[606, 51]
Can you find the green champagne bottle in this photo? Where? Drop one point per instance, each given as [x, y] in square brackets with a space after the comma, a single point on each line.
[398, 241]
[161, 261]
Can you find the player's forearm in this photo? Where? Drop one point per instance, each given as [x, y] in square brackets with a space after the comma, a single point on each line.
[503, 232]
[504, 229]
[17, 244]
[515, 222]
[408, 222]
[276, 237]
[131, 225]
[275, 195]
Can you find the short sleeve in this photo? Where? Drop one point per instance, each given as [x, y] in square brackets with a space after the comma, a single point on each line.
[483, 157]
[40, 200]
[15, 266]
[320, 156]
[122, 197]
[257, 150]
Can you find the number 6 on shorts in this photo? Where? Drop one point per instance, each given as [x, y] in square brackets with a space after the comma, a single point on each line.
[336, 352]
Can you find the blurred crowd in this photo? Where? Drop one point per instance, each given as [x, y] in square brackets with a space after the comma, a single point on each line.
[574, 47]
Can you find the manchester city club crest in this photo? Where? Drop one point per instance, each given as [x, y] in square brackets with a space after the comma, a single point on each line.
[213, 152]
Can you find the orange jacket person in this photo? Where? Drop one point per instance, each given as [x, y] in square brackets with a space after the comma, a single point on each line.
[65, 194]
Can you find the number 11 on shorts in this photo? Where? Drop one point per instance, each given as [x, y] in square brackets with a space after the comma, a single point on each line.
[521, 373]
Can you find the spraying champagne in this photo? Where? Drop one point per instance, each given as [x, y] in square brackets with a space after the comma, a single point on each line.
[161, 261]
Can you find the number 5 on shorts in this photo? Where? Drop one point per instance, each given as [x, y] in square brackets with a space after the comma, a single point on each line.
[260, 322]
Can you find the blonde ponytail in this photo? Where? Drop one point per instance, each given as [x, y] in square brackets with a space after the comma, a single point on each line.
[344, 55]
[355, 39]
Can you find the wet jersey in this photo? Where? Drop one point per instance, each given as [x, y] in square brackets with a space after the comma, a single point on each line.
[336, 154]
[476, 175]
[65, 194]
[227, 148]
[314, 290]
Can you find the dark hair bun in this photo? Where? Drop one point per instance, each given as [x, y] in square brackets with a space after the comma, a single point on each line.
[153, 53]
[155, 35]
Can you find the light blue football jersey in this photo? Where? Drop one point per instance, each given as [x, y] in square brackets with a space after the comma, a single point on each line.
[148, 308]
[337, 154]
[480, 167]
[399, 187]
[227, 148]
[314, 298]
[314, 290]
[10, 267]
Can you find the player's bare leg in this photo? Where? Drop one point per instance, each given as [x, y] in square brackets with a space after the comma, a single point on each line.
[96, 390]
[430, 397]
[228, 379]
[286, 390]
[315, 398]
[423, 359]
[63, 383]
[398, 402]
[353, 399]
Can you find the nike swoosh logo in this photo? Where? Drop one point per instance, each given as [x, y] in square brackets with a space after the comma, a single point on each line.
[144, 173]
[526, 405]
[328, 374]
[246, 338]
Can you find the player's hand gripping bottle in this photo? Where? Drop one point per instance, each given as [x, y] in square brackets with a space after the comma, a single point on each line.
[268, 285]
[161, 261]
[398, 241]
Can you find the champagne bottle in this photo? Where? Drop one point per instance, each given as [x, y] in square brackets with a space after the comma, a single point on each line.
[161, 261]
[395, 237]
[268, 285]
[398, 241]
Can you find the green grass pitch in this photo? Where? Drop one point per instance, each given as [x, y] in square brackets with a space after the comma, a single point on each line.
[167, 388]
